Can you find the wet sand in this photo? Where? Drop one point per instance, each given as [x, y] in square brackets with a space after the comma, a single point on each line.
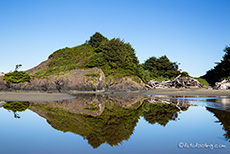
[199, 92]
[40, 96]
[33, 96]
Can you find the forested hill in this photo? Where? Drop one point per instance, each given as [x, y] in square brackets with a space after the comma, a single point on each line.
[221, 70]
[115, 57]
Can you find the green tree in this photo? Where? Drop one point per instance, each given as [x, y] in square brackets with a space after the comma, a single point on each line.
[17, 67]
[120, 54]
[115, 55]
[221, 70]
[161, 67]
[96, 39]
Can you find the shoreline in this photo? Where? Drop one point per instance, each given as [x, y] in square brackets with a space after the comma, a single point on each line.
[46, 96]
[33, 96]
[188, 92]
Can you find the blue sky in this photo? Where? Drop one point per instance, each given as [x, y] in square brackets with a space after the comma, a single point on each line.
[190, 32]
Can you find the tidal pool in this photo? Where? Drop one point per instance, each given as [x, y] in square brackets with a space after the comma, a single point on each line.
[133, 124]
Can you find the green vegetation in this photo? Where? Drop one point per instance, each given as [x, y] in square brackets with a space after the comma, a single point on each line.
[96, 40]
[159, 113]
[223, 119]
[202, 81]
[108, 57]
[16, 77]
[115, 57]
[16, 107]
[221, 70]
[67, 59]
[17, 67]
[112, 126]
[160, 68]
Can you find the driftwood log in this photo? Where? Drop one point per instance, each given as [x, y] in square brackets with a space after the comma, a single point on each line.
[178, 82]
[224, 85]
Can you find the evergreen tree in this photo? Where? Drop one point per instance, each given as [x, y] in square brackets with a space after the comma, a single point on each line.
[221, 70]
[115, 55]
[161, 67]
[96, 39]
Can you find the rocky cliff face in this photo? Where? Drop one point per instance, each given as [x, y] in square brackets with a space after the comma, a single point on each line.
[79, 79]
[75, 80]
[125, 84]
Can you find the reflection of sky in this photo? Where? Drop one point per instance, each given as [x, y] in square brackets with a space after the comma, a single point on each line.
[195, 126]
[218, 102]
[32, 134]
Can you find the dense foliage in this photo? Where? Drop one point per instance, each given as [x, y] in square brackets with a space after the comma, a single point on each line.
[67, 59]
[159, 113]
[114, 125]
[115, 57]
[221, 70]
[96, 40]
[223, 119]
[16, 107]
[161, 67]
[16, 77]
[202, 81]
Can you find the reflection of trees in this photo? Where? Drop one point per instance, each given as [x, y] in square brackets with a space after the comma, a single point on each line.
[159, 113]
[16, 107]
[113, 126]
[99, 119]
[223, 117]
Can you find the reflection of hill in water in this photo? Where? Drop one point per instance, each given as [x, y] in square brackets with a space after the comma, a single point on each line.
[160, 113]
[103, 119]
[223, 117]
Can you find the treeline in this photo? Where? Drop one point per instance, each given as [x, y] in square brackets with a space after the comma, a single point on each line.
[117, 57]
[221, 70]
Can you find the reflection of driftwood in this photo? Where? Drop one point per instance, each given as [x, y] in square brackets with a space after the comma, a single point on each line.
[179, 104]
[178, 82]
[225, 84]
[2, 103]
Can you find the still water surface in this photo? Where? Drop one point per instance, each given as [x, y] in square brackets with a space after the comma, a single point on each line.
[117, 124]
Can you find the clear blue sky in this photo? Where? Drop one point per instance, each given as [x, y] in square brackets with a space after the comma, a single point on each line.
[191, 32]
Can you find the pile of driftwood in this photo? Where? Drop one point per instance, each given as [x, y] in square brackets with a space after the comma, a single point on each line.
[178, 82]
[225, 84]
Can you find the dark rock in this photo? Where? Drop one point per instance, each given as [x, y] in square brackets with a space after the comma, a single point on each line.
[78, 79]
[126, 85]
[75, 80]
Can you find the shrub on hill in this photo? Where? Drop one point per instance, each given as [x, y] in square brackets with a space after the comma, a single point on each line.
[16, 77]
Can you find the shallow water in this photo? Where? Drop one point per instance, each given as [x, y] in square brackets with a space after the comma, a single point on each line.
[117, 124]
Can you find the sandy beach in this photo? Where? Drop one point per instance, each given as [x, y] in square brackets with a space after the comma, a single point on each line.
[201, 92]
[33, 96]
[40, 96]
